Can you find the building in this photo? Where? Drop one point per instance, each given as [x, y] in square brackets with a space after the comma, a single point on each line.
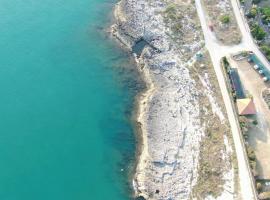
[246, 106]
[236, 83]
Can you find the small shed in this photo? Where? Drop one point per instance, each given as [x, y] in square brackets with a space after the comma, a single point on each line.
[246, 106]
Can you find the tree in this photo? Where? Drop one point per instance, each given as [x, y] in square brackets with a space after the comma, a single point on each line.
[257, 32]
[265, 15]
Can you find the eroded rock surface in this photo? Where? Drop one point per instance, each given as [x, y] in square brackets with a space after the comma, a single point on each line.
[171, 110]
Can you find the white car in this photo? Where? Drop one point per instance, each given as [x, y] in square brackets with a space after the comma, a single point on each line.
[256, 67]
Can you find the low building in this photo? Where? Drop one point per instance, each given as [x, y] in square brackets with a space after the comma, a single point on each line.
[236, 83]
[246, 106]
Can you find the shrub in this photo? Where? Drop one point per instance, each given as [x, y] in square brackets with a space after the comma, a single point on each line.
[265, 15]
[255, 122]
[225, 62]
[257, 32]
[266, 50]
[253, 12]
[259, 186]
[264, 195]
[251, 153]
[256, 1]
[171, 12]
[225, 19]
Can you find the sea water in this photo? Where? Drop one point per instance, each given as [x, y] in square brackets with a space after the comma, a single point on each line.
[66, 98]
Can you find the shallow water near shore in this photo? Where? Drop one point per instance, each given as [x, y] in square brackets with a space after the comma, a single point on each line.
[67, 93]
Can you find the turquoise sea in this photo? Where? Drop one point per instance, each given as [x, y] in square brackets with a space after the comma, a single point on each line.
[67, 93]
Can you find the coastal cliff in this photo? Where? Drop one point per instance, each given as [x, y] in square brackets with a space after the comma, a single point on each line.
[185, 149]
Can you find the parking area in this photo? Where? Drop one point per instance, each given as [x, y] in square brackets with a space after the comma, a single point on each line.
[258, 135]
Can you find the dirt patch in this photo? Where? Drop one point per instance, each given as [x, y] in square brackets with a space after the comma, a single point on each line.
[181, 19]
[213, 164]
[221, 17]
[212, 167]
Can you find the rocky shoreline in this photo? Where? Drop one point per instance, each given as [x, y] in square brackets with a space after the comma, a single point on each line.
[171, 111]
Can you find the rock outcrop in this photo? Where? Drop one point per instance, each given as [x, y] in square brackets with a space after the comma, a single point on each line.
[171, 110]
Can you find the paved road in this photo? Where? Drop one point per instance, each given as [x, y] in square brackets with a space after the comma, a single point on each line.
[217, 51]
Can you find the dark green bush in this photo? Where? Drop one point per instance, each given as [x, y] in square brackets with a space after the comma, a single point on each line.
[257, 32]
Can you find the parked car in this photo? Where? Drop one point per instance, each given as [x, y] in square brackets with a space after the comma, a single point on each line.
[256, 67]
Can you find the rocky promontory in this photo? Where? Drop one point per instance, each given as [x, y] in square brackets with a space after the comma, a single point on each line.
[185, 136]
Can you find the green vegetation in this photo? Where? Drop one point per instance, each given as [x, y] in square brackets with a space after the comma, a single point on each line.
[265, 15]
[252, 159]
[251, 153]
[171, 12]
[253, 12]
[227, 69]
[244, 124]
[264, 195]
[173, 17]
[225, 63]
[256, 1]
[257, 32]
[266, 50]
[225, 19]
[244, 53]
[255, 122]
[259, 187]
[262, 190]
[211, 168]
[212, 164]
